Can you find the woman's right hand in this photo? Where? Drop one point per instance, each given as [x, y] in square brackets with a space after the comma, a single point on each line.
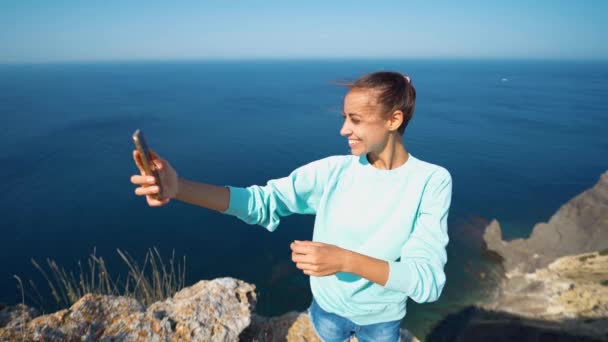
[149, 186]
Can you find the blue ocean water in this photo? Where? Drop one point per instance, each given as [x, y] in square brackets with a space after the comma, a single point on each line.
[520, 138]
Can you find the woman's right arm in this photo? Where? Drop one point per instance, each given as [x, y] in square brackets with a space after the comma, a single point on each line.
[298, 193]
[201, 194]
[204, 195]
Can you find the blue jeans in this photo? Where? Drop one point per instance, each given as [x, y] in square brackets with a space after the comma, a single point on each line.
[333, 328]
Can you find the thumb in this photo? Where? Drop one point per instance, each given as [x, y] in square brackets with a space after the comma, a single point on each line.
[156, 160]
[154, 155]
[158, 164]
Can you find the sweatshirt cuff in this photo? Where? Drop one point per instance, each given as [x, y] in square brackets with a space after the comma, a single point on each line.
[401, 276]
[239, 202]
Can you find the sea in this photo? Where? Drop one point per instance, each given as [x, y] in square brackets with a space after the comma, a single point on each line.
[519, 137]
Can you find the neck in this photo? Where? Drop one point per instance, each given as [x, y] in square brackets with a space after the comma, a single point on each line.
[391, 157]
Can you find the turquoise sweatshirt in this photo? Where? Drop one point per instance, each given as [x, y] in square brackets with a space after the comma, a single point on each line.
[397, 215]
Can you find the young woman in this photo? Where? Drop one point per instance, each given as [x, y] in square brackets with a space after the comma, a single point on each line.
[380, 230]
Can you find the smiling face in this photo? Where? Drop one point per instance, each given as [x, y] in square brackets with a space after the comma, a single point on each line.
[364, 124]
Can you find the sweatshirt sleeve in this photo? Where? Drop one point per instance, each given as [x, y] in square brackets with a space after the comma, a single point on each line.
[420, 272]
[298, 193]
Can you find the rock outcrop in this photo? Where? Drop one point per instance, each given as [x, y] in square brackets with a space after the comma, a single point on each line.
[11, 316]
[217, 310]
[566, 301]
[571, 291]
[570, 287]
[555, 286]
[579, 226]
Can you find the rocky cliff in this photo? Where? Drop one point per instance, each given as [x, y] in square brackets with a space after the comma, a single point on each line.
[579, 226]
[217, 310]
[555, 287]
[566, 301]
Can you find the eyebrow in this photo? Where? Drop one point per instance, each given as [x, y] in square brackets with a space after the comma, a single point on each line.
[352, 114]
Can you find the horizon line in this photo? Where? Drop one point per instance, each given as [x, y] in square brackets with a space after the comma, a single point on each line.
[296, 59]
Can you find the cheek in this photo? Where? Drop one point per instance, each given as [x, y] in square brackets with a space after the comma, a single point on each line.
[372, 133]
[376, 139]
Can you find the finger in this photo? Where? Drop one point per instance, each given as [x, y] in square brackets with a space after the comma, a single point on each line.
[307, 267]
[138, 162]
[157, 161]
[153, 202]
[149, 190]
[309, 243]
[301, 258]
[139, 179]
[301, 248]
[153, 154]
[315, 243]
[158, 164]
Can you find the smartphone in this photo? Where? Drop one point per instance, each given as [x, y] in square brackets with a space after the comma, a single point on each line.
[146, 160]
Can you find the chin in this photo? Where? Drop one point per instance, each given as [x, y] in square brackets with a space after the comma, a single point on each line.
[357, 152]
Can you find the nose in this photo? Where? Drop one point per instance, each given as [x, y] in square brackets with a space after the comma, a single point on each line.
[345, 130]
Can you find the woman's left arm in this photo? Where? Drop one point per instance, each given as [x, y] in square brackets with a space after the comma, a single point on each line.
[322, 259]
[420, 272]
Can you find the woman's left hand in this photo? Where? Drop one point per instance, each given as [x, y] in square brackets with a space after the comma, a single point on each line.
[317, 258]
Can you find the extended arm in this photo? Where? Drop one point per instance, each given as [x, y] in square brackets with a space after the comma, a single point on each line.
[298, 193]
[204, 195]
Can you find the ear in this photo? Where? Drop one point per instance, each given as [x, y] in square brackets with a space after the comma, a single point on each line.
[395, 120]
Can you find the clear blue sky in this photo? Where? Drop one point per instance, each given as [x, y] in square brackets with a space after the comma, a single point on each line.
[56, 30]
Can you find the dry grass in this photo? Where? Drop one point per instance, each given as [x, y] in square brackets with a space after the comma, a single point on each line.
[154, 281]
[23, 336]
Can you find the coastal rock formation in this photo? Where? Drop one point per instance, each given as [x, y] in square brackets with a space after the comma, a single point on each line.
[570, 287]
[216, 310]
[10, 316]
[555, 287]
[572, 291]
[291, 326]
[579, 226]
[566, 301]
